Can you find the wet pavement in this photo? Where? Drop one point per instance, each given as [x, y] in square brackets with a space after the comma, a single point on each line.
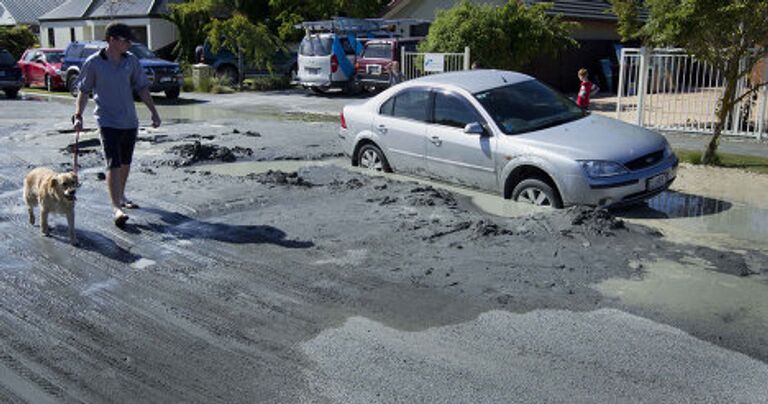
[285, 275]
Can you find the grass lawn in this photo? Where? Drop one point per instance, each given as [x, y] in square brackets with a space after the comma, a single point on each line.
[753, 164]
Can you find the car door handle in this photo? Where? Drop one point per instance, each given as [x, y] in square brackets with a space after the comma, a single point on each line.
[381, 129]
[436, 140]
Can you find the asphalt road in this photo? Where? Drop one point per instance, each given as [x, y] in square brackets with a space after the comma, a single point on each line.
[329, 285]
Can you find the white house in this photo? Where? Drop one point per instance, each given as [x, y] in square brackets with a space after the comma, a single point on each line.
[86, 20]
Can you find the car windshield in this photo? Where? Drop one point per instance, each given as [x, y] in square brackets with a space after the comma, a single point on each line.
[142, 52]
[54, 57]
[315, 46]
[6, 59]
[528, 106]
[378, 51]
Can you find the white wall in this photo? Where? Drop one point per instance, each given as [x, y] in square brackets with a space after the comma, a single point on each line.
[160, 33]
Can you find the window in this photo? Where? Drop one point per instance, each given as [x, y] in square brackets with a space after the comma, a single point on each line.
[412, 104]
[452, 110]
[72, 35]
[378, 51]
[388, 107]
[51, 38]
[315, 46]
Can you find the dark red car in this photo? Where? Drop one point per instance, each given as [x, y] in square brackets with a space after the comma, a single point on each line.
[372, 67]
[40, 67]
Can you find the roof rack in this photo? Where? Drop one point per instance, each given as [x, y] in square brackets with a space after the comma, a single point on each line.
[345, 25]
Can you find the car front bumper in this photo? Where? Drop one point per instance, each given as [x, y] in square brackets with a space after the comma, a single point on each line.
[622, 189]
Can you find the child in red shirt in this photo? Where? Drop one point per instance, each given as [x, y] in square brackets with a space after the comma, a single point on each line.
[586, 89]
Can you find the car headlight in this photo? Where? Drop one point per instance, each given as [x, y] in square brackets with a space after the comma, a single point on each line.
[600, 168]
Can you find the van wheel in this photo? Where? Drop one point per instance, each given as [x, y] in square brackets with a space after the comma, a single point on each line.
[536, 191]
[71, 79]
[370, 157]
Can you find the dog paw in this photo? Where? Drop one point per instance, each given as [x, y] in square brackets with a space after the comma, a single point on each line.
[75, 242]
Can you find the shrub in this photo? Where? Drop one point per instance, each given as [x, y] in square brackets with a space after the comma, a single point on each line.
[268, 83]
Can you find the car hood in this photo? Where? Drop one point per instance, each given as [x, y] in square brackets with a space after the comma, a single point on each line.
[156, 63]
[596, 137]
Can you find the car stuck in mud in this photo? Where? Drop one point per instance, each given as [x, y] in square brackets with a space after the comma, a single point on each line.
[509, 133]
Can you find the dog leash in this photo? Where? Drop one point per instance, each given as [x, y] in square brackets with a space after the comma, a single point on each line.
[77, 140]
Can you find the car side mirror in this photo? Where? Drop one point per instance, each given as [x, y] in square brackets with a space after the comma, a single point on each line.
[474, 128]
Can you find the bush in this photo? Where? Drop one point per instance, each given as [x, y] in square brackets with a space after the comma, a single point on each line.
[218, 85]
[268, 83]
[188, 84]
[17, 39]
[505, 37]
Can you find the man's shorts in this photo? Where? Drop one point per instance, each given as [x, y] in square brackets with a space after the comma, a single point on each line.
[118, 145]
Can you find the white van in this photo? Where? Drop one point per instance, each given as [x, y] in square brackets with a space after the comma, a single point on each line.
[327, 60]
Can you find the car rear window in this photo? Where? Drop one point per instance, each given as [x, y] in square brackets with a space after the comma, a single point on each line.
[378, 51]
[315, 46]
[412, 104]
[6, 59]
[88, 51]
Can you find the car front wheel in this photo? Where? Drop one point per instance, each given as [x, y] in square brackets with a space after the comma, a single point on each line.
[11, 93]
[71, 80]
[172, 93]
[536, 192]
[370, 157]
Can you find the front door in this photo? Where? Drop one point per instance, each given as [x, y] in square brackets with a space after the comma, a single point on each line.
[452, 154]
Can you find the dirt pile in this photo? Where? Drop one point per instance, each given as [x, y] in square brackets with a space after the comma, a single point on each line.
[192, 153]
[429, 196]
[280, 178]
[586, 220]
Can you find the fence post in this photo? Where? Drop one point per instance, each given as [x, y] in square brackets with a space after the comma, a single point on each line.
[466, 58]
[761, 114]
[622, 67]
[642, 84]
[403, 68]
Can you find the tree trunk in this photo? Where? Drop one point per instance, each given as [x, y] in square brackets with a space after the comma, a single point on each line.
[725, 106]
[240, 64]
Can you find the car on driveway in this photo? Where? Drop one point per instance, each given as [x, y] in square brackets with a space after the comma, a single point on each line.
[41, 67]
[163, 75]
[373, 65]
[10, 74]
[509, 133]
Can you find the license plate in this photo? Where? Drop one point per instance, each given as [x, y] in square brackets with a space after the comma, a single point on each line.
[166, 79]
[658, 181]
[312, 70]
[373, 69]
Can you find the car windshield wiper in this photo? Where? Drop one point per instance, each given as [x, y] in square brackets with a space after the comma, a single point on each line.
[555, 122]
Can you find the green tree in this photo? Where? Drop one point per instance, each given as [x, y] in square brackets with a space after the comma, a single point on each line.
[287, 13]
[17, 39]
[254, 43]
[731, 35]
[191, 19]
[506, 37]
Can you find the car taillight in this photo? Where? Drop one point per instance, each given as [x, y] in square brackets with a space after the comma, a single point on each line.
[334, 63]
[343, 121]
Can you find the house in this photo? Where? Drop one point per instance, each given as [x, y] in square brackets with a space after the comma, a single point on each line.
[599, 41]
[86, 20]
[25, 12]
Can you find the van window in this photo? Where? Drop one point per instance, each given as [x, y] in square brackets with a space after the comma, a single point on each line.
[315, 46]
[378, 51]
[412, 104]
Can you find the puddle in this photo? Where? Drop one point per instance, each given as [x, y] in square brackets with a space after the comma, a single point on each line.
[688, 292]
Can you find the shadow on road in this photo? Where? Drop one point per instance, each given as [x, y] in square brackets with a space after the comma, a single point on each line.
[185, 227]
[96, 242]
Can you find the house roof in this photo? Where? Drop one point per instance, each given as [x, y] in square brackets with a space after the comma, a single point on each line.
[87, 9]
[26, 11]
[571, 9]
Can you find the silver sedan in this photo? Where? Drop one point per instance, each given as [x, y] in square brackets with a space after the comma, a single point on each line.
[508, 133]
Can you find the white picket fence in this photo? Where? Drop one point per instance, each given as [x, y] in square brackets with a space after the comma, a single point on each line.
[669, 89]
[417, 64]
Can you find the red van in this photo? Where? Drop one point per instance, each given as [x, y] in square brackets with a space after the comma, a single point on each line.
[372, 67]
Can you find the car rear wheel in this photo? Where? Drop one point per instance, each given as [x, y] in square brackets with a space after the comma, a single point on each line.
[11, 93]
[370, 157]
[172, 93]
[536, 191]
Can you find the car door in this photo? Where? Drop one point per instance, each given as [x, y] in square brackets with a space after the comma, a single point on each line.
[37, 67]
[401, 126]
[454, 155]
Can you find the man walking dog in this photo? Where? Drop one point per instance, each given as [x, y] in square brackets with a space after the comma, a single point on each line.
[114, 75]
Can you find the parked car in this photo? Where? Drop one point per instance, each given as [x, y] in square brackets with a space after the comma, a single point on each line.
[41, 66]
[224, 63]
[372, 66]
[509, 133]
[10, 74]
[326, 61]
[165, 76]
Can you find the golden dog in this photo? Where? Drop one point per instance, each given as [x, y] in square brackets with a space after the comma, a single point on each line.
[54, 193]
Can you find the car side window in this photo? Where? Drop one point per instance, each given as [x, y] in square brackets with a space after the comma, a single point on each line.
[412, 104]
[452, 110]
[29, 56]
[387, 108]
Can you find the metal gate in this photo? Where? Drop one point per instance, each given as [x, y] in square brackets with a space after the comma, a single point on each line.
[669, 89]
[415, 64]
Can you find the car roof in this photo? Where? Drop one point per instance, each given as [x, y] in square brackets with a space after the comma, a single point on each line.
[474, 81]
